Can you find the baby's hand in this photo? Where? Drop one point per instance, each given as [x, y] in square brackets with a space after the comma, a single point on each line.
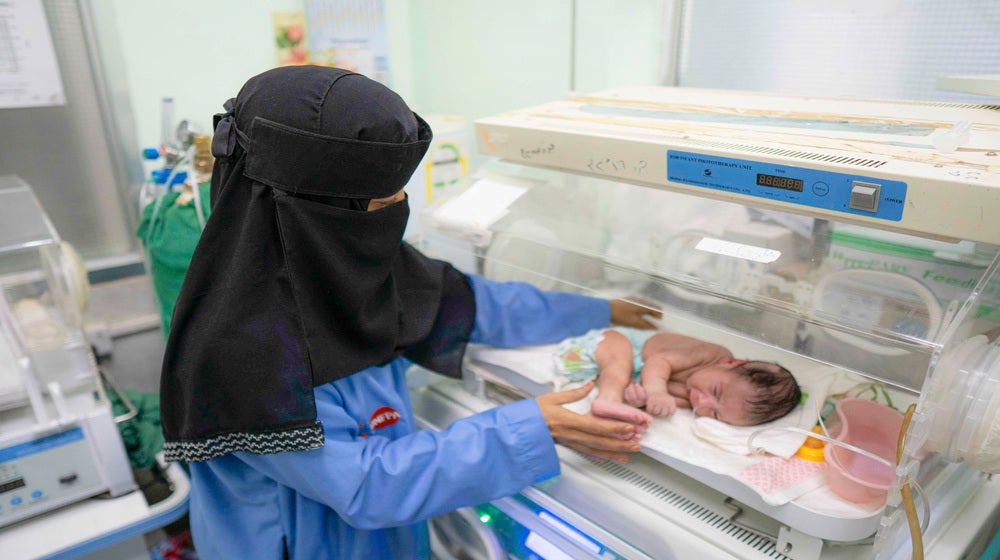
[634, 395]
[660, 404]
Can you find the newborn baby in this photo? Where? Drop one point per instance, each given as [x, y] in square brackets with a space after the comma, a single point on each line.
[676, 371]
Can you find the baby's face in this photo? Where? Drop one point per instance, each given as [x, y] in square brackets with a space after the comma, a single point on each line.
[721, 393]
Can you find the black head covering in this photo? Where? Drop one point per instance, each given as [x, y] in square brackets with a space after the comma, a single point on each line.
[293, 284]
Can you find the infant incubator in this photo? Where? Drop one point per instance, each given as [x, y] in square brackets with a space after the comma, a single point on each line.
[836, 237]
[59, 442]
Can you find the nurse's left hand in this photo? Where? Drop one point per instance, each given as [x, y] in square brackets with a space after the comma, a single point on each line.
[598, 437]
[634, 312]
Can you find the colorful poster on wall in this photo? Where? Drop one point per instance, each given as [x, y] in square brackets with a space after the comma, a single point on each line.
[290, 42]
[350, 34]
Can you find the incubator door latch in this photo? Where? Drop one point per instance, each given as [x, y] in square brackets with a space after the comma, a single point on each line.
[798, 546]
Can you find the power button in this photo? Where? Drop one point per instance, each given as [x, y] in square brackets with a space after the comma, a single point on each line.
[864, 196]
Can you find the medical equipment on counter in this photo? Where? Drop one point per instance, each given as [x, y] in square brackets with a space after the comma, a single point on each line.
[172, 219]
[185, 154]
[442, 173]
[58, 439]
[833, 230]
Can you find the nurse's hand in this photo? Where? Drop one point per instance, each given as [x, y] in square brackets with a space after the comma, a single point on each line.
[634, 312]
[603, 439]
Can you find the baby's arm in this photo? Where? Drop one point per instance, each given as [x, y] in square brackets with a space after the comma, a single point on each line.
[655, 377]
[670, 359]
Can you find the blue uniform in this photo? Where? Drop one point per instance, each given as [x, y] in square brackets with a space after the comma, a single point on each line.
[366, 493]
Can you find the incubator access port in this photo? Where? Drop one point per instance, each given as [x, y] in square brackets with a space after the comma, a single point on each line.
[864, 196]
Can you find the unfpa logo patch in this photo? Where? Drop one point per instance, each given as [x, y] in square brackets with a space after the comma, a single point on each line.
[385, 416]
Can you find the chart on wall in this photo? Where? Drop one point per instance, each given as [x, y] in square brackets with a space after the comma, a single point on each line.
[29, 73]
[349, 34]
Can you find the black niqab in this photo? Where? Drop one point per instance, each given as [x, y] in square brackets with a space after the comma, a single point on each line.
[293, 284]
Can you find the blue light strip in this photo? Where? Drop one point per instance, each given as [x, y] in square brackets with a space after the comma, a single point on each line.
[544, 548]
[574, 535]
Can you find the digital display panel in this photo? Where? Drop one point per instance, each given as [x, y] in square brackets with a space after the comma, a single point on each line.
[11, 485]
[778, 182]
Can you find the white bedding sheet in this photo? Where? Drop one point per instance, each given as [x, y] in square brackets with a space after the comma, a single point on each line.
[719, 447]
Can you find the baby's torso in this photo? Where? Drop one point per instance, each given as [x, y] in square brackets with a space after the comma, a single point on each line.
[673, 342]
[686, 355]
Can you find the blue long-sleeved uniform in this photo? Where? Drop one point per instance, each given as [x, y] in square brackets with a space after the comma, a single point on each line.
[366, 493]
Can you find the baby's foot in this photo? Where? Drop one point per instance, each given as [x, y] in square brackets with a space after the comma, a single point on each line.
[612, 410]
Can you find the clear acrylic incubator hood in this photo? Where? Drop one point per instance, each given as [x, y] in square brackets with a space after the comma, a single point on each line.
[59, 439]
[857, 235]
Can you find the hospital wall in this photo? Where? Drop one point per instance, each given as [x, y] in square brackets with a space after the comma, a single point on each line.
[197, 52]
[458, 57]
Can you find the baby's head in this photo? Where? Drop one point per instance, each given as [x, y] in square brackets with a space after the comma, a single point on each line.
[742, 392]
[773, 391]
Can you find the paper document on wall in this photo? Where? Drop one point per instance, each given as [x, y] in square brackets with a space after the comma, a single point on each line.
[29, 72]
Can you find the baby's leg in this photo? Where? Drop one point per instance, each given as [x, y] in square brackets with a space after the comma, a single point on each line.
[614, 361]
[614, 358]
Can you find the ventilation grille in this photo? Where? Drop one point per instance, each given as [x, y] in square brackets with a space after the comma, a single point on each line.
[796, 154]
[937, 104]
[761, 544]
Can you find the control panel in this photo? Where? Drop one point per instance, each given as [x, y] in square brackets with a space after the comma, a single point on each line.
[840, 192]
[38, 474]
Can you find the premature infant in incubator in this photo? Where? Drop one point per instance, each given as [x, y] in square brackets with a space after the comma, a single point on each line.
[677, 371]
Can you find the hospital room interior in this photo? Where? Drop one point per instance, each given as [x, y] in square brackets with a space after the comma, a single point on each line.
[811, 186]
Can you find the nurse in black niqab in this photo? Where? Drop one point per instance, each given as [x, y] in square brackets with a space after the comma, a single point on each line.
[295, 283]
[283, 381]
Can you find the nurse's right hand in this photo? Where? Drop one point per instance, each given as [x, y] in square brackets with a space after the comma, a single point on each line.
[597, 437]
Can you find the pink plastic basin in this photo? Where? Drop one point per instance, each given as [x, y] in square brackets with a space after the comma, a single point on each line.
[870, 426]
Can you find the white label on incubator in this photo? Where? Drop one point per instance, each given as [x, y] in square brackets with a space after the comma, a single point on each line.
[738, 250]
